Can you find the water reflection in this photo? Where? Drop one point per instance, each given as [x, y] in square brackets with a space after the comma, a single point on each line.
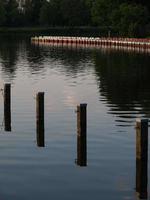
[115, 85]
[35, 58]
[122, 77]
[124, 84]
[9, 55]
[72, 59]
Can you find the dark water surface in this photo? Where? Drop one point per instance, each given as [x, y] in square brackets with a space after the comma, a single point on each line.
[116, 87]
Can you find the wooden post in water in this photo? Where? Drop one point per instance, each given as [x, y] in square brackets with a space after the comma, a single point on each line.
[40, 119]
[7, 107]
[82, 135]
[141, 157]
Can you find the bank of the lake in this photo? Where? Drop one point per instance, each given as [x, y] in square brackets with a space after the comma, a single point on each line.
[71, 31]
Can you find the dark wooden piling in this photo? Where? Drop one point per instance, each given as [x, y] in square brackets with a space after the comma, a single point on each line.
[141, 157]
[7, 107]
[81, 135]
[40, 119]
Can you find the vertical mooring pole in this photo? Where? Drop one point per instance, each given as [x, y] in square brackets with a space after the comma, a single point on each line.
[141, 157]
[7, 107]
[40, 119]
[82, 135]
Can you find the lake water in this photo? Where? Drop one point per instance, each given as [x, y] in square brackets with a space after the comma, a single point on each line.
[115, 84]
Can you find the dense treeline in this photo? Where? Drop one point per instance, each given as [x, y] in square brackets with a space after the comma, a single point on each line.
[126, 17]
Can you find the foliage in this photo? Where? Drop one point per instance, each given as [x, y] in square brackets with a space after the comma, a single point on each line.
[51, 14]
[126, 17]
[100, 12]
[27, 13]
[130, 19]
[35, 11]
[2, 13]
[12, 13]
[75, 13]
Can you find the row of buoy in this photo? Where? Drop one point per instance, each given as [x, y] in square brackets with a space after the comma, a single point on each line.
[124, 42]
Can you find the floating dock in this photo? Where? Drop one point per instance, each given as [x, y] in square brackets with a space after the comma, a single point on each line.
[97, 41]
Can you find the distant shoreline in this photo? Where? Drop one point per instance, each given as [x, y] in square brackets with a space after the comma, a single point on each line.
[75, 31]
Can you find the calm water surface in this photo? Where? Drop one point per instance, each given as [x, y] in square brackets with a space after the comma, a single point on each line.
[116, 87]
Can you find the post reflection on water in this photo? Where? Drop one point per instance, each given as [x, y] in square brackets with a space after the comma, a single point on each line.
[114, 84]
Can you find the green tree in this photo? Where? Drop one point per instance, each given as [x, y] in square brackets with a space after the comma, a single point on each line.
[2, 13]
[100, 11]
[27, 12]
[35, 11]
[75, 13]
[130, 19]
[45, 14]
[12, 13]
[50, 13]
